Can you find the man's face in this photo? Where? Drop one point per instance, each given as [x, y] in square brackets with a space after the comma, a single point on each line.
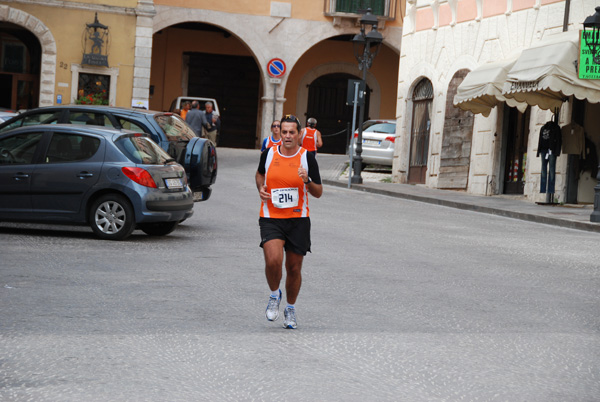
[208, 108]
[289, 135]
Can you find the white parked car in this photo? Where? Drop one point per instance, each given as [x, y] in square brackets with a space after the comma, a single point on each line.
[6, 114]
[178, 103]
[378, 139]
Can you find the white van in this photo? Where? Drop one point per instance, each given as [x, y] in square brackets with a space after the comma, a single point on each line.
[178, 102]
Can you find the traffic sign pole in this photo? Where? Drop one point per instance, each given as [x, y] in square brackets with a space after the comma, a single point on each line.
[274, 100]
[276, 69]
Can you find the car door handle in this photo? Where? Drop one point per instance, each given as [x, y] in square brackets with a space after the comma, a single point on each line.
[83, 175]
[19, 176]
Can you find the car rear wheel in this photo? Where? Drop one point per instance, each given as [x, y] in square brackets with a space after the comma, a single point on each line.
[158, 228]
[112, 217]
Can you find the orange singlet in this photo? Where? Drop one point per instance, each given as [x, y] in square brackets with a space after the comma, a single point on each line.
[288, 191]
[309, 140]
[271, 143]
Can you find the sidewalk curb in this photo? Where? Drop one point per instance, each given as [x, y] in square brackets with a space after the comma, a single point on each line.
[587, 226]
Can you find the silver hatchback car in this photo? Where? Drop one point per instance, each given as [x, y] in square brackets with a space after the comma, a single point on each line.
[377, 142]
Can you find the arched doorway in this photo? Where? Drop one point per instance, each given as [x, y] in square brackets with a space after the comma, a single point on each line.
[419, 134]
[202, 60]
[21, 55]
[327, 97]
[455, 157]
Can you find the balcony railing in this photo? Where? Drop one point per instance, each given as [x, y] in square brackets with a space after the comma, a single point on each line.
[385, 9]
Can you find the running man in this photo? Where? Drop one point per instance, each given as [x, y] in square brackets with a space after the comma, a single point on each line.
[274, 138]
[310, 138]
[286, 175]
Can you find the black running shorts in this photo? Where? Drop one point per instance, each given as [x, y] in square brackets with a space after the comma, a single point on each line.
[294, 231]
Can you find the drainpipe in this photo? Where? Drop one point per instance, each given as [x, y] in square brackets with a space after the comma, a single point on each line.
[566, 20]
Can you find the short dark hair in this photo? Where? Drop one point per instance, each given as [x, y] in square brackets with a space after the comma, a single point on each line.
[290, 118]
[195, 104]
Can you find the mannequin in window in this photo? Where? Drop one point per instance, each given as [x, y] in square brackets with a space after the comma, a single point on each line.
[549, 148]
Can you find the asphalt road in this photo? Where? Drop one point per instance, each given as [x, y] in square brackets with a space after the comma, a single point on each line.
[401, 301]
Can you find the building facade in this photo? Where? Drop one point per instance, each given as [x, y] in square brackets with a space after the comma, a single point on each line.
[145, 53]
[60, 52]
[441, 146]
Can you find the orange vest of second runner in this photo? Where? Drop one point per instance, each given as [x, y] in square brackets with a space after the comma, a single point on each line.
[271, 143]
[288, 191]
[309, 140]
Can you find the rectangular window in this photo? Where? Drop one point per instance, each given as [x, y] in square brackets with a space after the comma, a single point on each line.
[71, 148]
[19, 149]
[90, 119]
[359, 6]
[93, 89]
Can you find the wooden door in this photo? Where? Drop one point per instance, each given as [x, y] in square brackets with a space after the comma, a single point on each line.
[419, 135]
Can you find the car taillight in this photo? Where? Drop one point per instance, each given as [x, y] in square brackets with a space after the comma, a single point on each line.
[139, 175]
[355, 135]
[390, 139]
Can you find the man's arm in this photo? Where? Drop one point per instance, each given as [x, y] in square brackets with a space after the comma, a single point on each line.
[261, 187]
[319, 140]
[314, 189]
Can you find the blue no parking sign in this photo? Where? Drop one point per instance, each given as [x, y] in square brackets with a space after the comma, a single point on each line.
[276, 68]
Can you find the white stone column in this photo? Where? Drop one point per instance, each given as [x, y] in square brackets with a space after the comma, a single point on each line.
[143, 50]
[268, 105]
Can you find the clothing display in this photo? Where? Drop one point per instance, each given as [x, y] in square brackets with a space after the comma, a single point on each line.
[550, 139]
[573, 139]
[549, 146]
[548, 174]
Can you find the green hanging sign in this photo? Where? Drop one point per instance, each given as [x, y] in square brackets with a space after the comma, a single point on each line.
[588, 68]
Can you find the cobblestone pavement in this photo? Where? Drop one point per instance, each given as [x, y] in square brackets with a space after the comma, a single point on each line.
[401, 301]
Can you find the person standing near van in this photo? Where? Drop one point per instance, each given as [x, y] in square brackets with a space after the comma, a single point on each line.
[194, 118]
[311, 137]
[185, 109]
[211, 124]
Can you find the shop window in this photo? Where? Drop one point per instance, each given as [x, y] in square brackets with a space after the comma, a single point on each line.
[93, 85]
[93, 89]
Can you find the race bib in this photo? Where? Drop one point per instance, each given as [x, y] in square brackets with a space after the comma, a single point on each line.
[284, 197]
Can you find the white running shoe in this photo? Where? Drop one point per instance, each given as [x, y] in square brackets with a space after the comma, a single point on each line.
[289, 318]
[272, 312]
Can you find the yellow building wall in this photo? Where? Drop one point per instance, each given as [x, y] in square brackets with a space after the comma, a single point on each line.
[170, 44]
[67, 27]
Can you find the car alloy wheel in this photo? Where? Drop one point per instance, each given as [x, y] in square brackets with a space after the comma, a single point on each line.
[111, 217]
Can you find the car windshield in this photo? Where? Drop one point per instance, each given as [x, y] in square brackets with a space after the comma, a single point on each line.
[376, 127]
[174, 127]
[142, 150]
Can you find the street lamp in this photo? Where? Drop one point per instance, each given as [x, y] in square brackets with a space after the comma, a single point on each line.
[591, 33]
[366, 47]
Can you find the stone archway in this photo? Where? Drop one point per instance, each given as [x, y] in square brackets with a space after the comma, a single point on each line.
[455, 156]
[333, 68]
[48, 44]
